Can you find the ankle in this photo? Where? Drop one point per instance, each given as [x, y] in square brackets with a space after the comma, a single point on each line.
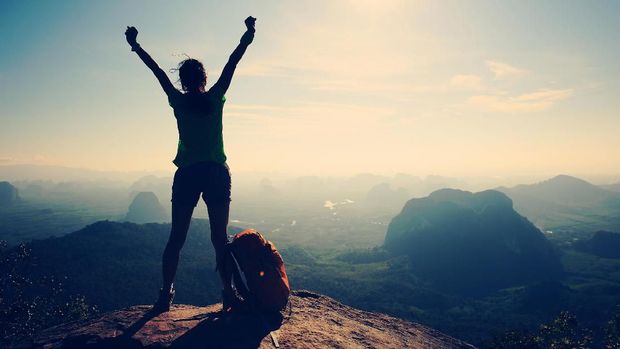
[169, 289]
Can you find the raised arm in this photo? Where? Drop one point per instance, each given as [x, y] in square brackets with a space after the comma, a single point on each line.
[131, 35]
[223, 82]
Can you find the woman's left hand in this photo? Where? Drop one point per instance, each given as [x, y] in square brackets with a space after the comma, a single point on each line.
[250, 23]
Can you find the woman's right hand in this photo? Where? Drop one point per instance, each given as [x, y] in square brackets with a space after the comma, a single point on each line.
[250, 23]
[131, 35]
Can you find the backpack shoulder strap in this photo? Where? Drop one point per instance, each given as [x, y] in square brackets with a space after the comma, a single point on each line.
[238, 277]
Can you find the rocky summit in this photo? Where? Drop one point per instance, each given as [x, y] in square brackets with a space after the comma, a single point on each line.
[310, 321]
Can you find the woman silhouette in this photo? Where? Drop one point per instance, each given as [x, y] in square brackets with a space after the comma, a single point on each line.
[200, 159]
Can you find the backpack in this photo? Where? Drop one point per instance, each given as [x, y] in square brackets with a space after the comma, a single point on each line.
[266, 283]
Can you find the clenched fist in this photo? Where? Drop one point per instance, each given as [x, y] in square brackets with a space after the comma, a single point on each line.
[250, 23]
[131, 34]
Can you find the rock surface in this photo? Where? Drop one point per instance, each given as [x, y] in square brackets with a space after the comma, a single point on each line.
[312, 321]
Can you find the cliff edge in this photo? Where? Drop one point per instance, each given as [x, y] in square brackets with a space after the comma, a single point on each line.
[312, 321]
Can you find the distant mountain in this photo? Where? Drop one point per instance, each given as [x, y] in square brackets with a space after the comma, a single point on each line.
[146, 208]
[564, 189]
[267, 190]
[8, 194]
[160, 186]
[567, 203]
[48, 208]
[603, 244]
[611, 187]
[384, 196]
[471, 243]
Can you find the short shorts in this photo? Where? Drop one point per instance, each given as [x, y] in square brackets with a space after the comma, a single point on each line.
[211, 179]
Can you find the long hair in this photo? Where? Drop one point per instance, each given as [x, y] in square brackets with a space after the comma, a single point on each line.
[192, 75]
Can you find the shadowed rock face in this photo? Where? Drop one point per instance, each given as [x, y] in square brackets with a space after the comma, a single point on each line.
[312, 321]
[146, 208]
[8, 193]
[471, 243]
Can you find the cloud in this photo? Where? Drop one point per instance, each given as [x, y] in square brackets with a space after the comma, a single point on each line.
[304, 112]
[503, 70]
[37, 159]
[253, 111]
[315, 109]
[264, 70]
[466, 81]
[530, 102]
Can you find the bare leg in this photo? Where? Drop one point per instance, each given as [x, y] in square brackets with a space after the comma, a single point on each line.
[218, 220]
[181, 218]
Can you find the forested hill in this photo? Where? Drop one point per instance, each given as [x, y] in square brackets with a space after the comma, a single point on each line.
[115, 265]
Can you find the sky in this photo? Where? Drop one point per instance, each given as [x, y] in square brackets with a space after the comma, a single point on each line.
[329, 87]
